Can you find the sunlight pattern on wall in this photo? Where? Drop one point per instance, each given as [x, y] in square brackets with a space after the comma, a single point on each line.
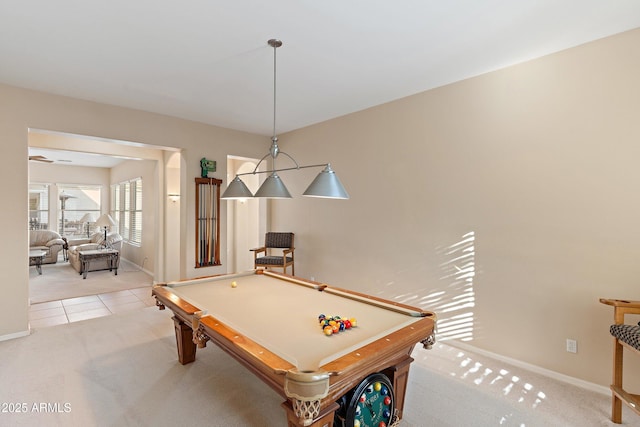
[452, 295]
[454, 305]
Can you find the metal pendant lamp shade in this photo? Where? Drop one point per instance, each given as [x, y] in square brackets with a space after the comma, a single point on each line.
[273, 188]
[326, 185]
[237, 190]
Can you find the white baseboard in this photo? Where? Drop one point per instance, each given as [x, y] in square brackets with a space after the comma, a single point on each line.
[533, 368]
[144, 270]
[148, 272]
[14, 335]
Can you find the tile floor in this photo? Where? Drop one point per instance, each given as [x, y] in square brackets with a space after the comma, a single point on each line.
[82, 308]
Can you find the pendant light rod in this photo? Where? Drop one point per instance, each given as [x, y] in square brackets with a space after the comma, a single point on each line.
[275, 44]
[325, 185]
[274, 150]
[255, 171]
[271, 153]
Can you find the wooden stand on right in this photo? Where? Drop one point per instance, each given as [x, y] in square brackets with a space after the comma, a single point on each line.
[625, 336]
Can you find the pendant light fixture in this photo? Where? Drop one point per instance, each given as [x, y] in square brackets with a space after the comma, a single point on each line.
[325, 185]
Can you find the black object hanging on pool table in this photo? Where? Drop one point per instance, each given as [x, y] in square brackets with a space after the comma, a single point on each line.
[370, 404]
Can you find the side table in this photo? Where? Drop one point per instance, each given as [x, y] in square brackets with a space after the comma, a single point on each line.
[36, 257]
[111, 255]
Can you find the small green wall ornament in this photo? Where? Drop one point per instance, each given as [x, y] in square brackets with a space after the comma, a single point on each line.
[207, 166]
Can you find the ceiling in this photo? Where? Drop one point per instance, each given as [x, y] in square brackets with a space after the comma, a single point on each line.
[76, 158]
[208, 60]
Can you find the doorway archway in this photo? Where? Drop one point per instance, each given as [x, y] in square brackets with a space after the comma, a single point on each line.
[247, 220]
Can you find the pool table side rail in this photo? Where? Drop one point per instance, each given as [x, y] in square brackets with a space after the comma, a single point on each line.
[205, 279]
[293, 279]
[370, 299]
[165, 297]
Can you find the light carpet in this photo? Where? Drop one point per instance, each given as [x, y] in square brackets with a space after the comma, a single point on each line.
[453, 387]
[60, 281]
[121, 370]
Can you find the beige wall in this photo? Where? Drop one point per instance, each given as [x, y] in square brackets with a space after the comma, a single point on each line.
[61, 174]
[21, 110]
[539, 160]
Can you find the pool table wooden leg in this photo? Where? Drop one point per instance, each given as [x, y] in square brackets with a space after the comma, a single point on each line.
[184, 339]
[399, 376]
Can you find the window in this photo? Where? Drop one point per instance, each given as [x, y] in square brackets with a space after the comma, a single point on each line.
[38, 206]
[126, 203]
[75, 201]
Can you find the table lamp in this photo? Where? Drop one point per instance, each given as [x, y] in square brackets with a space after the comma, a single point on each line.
[88, 218]
[105, 221]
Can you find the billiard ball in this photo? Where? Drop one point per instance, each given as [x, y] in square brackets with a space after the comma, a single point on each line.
[234, 284]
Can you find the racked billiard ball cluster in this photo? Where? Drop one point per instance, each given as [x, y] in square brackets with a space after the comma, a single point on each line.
[334, 324]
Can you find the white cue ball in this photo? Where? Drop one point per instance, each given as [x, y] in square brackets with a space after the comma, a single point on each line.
[234, 284]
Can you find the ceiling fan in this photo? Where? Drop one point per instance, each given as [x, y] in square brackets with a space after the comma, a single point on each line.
[40, 159]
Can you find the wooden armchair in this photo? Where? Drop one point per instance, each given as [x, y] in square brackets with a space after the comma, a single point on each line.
[273, 241]
[625, 336]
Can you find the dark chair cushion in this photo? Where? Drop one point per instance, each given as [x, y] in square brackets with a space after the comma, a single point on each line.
[271, 260]
[629, 334]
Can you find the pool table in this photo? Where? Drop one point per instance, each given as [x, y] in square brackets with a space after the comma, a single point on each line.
[269, 323]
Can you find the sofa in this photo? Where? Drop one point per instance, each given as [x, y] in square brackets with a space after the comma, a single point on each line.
[48, 241]
[95, 241]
